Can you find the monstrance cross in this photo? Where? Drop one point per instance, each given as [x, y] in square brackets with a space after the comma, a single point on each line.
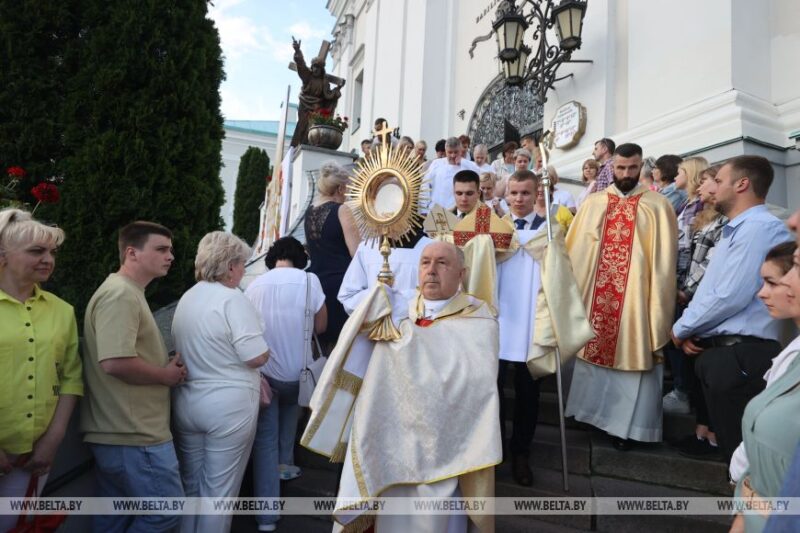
[384, 132]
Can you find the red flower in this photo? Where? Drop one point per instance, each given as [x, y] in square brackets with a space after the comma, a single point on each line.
[16, 172]
[325, 112]
[46, 193]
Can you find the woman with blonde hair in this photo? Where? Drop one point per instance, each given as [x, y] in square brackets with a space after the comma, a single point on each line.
[589, 171]
[690, 176]
[332, 239]
[488, 183]
[218, 333]
[38, 357]
[706, 232]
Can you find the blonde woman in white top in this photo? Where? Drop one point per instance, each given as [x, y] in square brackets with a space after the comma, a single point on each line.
[218, 333]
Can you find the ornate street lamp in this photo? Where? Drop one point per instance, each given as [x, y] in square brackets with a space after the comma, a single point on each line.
[539, 73]
[568, 16]
[509, 30]
[514, 70]
[509, 27]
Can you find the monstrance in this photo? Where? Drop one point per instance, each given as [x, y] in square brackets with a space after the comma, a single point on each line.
[384, 197]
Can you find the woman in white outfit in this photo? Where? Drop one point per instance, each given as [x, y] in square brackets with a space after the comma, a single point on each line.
[218, 333]
[291, 302]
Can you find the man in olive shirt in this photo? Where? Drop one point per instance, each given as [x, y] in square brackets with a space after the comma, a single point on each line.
[125, 414]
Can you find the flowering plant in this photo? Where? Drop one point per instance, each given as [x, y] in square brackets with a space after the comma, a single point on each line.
[46, 193]
[324, 117]
[12, 194]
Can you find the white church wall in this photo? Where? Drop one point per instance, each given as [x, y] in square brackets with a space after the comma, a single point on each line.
[593, 85]
[713, 77]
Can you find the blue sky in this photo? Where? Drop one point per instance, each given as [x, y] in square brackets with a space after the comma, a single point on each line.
[256, 40]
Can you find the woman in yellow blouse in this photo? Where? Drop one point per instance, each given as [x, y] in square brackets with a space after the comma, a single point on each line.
[39, 362]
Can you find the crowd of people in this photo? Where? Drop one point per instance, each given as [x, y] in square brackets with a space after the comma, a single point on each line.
[674, 263]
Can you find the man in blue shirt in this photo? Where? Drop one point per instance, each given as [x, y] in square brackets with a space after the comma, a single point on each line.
[726, 325]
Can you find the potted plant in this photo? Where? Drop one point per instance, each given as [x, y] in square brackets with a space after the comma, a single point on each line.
[326, 129]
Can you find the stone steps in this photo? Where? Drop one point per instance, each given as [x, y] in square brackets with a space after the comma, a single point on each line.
[595, 469]
[548, 483]
[609, 487]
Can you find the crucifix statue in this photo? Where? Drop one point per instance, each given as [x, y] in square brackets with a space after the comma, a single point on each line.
[316, 92]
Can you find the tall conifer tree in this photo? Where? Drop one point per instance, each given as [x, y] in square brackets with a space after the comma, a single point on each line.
[33, 70]
[143, 133]
[251, 183]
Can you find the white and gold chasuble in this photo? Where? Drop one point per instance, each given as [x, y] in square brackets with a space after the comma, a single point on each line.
[417, 410]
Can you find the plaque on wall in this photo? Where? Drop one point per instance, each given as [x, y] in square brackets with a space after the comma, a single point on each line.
[569, 125]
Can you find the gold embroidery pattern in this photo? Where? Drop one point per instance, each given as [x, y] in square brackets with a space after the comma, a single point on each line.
[611, 278]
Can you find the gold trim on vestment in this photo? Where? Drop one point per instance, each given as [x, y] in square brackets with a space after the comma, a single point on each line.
[339, 452]
[383, 329]
[346, 381]
[343, 380]
[459, 307]
[359, 524]
[359, 474]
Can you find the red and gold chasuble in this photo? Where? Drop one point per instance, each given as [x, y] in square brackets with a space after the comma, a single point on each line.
[623, 250]
[613, 267]
[483, 221]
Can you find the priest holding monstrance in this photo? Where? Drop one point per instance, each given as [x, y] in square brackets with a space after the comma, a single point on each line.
[413, 412]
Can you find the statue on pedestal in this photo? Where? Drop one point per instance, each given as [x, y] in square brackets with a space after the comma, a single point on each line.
[316, 93]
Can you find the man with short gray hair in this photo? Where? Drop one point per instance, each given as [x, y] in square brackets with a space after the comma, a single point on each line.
[433, 388]
[439, 178]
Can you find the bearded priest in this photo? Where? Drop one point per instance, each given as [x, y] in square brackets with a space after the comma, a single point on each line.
[623, 248]
[416, 416]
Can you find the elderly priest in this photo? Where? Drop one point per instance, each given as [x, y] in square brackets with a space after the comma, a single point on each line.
[415, 415]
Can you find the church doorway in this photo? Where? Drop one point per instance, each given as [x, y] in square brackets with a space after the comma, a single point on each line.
[504, 114]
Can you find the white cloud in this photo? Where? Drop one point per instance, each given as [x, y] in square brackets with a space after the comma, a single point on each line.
[240, 36]
[249, 107]
[302, 30]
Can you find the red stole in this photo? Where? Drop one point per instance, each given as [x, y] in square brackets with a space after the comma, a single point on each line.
[611, 278]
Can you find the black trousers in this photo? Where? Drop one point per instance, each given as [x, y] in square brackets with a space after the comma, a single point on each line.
[696, 395]
[526, 406]
[730, 377]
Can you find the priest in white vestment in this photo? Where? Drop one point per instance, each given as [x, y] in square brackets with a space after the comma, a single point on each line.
[623, 247]
[418, 415]
[439, 178]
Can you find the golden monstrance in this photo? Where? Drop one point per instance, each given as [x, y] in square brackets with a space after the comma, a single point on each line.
[384, 196]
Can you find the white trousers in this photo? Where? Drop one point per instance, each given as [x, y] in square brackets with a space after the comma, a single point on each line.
[14, 485]
[215, 424]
